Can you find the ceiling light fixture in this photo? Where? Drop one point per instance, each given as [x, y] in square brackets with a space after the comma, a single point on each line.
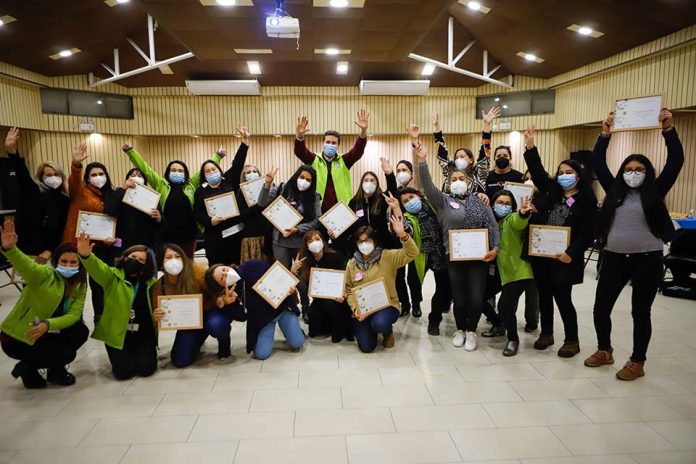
[530, 57]
[476, 6]
[505, 107]
[100, 102]
[585, 31]
[342, 67]
[428, 69]
[332, 51]
[339, 3]
[254, 67]
[2, 23]
[497, 99]
[65, 53]
[226, 2]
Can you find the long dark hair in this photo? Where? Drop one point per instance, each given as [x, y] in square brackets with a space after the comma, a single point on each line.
[78, 280]
[169, 168]
[504, 193]
[202, 171]
[361, 197]
[653, 202]
[107, 188]
[150, 270]
[583, 184]
[304, 252]
[308, 197]
[186, 281]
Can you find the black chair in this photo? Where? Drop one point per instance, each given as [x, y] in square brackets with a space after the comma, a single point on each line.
[681, 262]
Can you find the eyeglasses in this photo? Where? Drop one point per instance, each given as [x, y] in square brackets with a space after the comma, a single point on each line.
[634, 171]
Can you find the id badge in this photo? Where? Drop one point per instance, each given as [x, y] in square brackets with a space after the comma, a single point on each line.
[133, 327]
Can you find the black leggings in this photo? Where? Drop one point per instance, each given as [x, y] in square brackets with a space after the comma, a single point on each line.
[53, 350]
[138, 356]
[328, 317]
[409, 281]
[644, 270]
[507, 305]
[551, 287]
[468, 284]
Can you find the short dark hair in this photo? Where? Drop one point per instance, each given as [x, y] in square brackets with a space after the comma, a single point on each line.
[202, 172]
[408, 164]
[365, 230]
[403, 191]
[468, 152]
[334, 133]
[504, 147]
[132, 170]
[150, 262]
[504, 193]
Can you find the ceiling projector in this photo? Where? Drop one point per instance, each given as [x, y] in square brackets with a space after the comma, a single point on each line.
[283, 27]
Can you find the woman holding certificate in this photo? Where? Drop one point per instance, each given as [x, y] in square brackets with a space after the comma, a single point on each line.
[634, 223]
[128, 327]
[216, 209]
[564, 200]
[255, 223]
[461, 211]
[371, 285]
[53, 299]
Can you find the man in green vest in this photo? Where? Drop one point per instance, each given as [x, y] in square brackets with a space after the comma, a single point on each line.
[333, 175]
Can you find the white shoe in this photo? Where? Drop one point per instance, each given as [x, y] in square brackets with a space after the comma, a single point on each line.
[471, 341]
[458, 338]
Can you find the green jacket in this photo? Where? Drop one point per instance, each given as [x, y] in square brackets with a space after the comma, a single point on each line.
[40, 298]
[159, 183]
[511, 265]
[422, 258]
[118, 297]
[340, 174]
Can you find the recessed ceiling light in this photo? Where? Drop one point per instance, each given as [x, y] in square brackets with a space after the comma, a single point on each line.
[122, 1]
[226, 2]
[428, 69]
[585, 30]
[332, 51]
[530, 57]
[254, 67]
[65, 53]
[2, 23]
[505, 107]
[339, 3]
[100, 102]
[253, 51]
[6, 19]
[497, 99]
[476, 6]
[342, 67]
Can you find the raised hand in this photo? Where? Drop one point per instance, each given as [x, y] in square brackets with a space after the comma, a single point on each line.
[397, 226]
[665, 118]
[608, 123]
[525, 206]
[126, 147]
[11, 140]
[363, 121]
[79, 154]
[386, 165]
[488, 118]
[420, 152]
[529, 137]
[435, 118]
[297, 264]
[302, 127]
[244, 132]
[391, 201]
[228, 297]
[221, 151]
[8, 234]
[270, 176]
[84, 247]
[413, 130]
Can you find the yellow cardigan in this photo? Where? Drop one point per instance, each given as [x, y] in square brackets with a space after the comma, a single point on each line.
[386, 267]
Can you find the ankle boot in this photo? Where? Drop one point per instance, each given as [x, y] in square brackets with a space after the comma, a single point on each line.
[60, 376]
[30, 376]
[543, 342]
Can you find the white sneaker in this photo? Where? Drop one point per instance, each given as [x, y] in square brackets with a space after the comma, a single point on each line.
[471, 341]
[458, 338]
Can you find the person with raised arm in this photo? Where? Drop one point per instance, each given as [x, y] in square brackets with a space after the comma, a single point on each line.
[254, 244]
[634, 224]
[332, 167]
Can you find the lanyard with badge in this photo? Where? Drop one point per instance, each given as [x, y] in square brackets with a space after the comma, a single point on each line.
[132, 326]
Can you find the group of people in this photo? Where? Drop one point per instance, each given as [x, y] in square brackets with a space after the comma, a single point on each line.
[400, 234]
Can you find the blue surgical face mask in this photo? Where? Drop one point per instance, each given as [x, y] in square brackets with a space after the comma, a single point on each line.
[567, 181]
[502, 210]
[213, 178]
[67, 272]
[177, 177]
[413, 205]
[330, 150]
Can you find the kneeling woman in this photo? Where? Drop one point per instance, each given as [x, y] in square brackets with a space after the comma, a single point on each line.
[53, 299]
[371, 263]
[127, 327]
[235, 284]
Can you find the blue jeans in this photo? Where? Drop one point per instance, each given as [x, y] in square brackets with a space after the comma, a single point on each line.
[188, 343]
[289, 325]
[379, 322]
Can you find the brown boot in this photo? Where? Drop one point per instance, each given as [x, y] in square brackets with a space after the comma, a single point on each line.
[569, 349]
[599, 358]
[388, 341]
[631, 371]
[543, 342]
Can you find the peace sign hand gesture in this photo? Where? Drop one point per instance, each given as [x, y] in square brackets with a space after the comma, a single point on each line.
[297, 264]
[270, 176]
[244, 132]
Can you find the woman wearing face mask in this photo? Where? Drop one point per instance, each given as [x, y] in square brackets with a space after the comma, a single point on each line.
[326, 317]
[421, 223]
[461, 210]
[301, 192]
[235, 286]
[370, 263]
[52, 300]
[223, 237]
[564, 200]
[89, 192]
[42, 205]
[176, 189]
[515, 272]
[133, 226]
[634, 223]
[531, 294]
[128, 327]
[255, 223]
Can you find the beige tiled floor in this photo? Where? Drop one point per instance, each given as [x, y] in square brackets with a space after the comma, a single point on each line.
[423, 401]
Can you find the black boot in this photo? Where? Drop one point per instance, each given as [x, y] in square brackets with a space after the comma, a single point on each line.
[495, 331]
[305, 314]
[60, 376]
[224, 351]
[416, 310]
[405, 309]
[30, 376]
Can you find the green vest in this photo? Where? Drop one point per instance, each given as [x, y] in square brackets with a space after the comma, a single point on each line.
[419, 260]
[339, 174]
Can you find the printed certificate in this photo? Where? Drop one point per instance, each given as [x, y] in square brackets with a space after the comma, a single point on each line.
[98, 226]
[637, 113]
[468, 244]
[142, 197]
[372, 296]
[548, 241]
[338, 219]
[326, 283]
[181, 312]
[252, 189]
[275, 285]
[282, 215]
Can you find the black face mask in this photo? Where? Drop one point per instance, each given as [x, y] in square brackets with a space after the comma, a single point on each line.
[502, 163]
[133, 267]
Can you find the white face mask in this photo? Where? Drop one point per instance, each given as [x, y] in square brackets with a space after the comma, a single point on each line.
[461, 163]
[251, 176]
[173, 266]
[138, 180]
[529, 182]
[52, 182]
[316, 246]
[403, 177]
[369, 187]
[366, 248]
[232, 277]
[634, 179]
[458, 187]
[98, 181]
[303, 184]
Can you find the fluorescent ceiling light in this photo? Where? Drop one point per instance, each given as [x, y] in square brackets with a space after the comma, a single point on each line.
[585, 30]
[331, 51]
[253, 51]
[64, 53]
[474, 6]
[342, 67]
[428, 69]
[478, 7]
[339, 3]
[7, 19]
[254, 67]
[226, 2]
[113, 3]
[530, 57]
